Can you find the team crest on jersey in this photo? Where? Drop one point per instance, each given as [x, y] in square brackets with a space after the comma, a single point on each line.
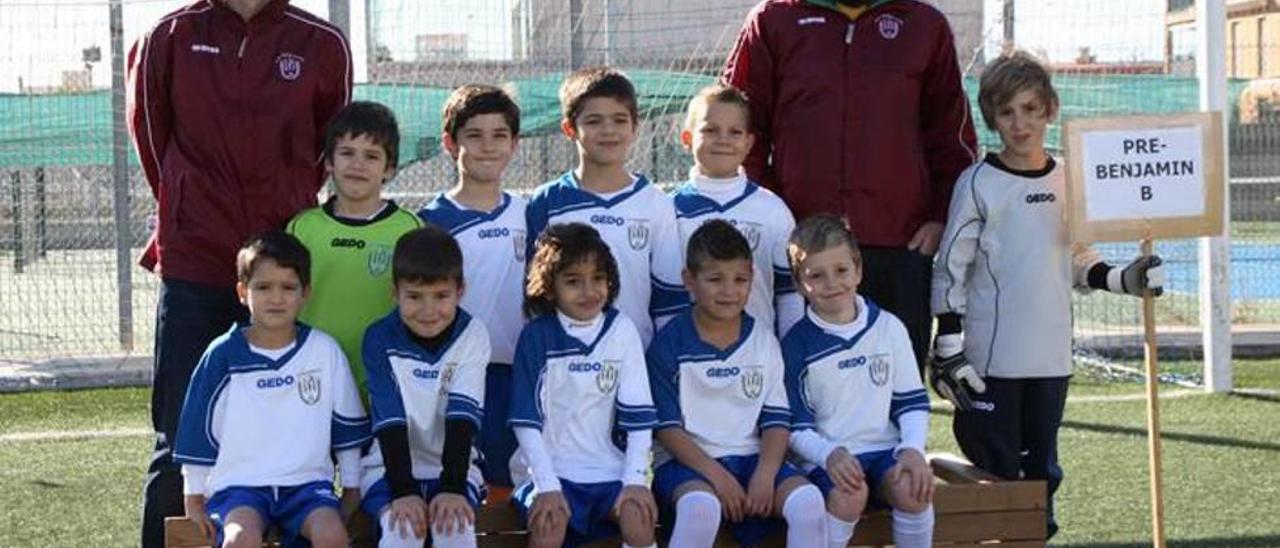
[750, 231]
[309, 387]
[889, 26]
[879, 369]
[752, 381]
[289, 65]
[379, 259]
[607, 377]
[446, 377]
[638, 233]
[517, 244]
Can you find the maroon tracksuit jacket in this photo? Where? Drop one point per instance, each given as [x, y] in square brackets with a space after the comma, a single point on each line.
[865, 118]
[228, 117]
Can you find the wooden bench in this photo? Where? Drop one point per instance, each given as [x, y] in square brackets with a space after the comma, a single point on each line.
[972, 508]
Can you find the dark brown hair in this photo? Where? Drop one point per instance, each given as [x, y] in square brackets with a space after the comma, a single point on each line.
[1008, 75]
[587, 83]
[559, 247]
[278, 246]
[427, 255]
[472, 100]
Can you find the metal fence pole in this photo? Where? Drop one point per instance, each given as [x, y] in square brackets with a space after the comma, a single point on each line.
[1215, 257]
[576, 55]
[340, 16]
[42, 217]
[120, 176]
[19, 253]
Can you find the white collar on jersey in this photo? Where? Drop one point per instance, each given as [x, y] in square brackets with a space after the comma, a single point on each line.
[583, 331]
[720, 190]
[843, 330]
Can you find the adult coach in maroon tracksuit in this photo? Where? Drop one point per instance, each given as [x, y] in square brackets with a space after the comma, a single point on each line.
[858, 110]
[228, 104]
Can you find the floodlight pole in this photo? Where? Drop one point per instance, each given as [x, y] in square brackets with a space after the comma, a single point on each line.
[120, 177]
[1215, 261]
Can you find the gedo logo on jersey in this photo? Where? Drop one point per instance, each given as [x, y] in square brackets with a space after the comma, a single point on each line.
[584, 367]
[852, 362]
[493, 233]
[425, 374]
[347, 242]
[275, 382]
[722, 372]
[1041, 197]
[609, 220]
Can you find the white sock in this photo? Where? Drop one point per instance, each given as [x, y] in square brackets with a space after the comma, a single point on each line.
[697, 520]
[394, 539]
[913, 530]
[466, 538]
[805, 513]
[839, 531]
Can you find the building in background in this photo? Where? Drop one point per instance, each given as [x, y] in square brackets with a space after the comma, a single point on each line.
[1253, 38]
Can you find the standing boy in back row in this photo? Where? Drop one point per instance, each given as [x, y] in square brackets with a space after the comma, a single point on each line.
[481, 129]
[1004, 277]
[632, 215]
[351, 236]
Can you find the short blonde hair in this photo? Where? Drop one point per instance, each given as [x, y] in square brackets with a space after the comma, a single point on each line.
[1009, 74]
[717, 93]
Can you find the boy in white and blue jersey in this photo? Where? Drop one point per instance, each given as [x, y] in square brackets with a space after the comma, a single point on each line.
[718, 133]
[266, 406]
[859, 413]
[426, 362]
[633, 216]
[481, 131]
[723, 414]
[581, 407]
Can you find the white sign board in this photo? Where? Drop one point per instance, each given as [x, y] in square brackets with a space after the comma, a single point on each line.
[1144, 177]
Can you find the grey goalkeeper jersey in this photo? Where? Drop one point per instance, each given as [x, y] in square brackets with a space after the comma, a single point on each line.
[1005, 265]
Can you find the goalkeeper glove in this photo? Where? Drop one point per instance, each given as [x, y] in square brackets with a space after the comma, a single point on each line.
[1145, 272]
[951, 375]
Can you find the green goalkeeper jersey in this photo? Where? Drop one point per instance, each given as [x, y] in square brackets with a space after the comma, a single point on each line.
[350, 273]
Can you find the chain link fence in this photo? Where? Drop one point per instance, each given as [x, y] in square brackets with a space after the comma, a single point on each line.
[60, 289]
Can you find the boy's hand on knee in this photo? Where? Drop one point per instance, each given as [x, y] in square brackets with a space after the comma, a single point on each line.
[194, 507]
[733, 500]
[760, 494]
[915, 471]
[409, 513]
[640, 497]
[844, 470]
[550, 512]
[450, 513]
[950, 373]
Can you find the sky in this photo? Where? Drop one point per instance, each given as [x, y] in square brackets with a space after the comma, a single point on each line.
[39, 39]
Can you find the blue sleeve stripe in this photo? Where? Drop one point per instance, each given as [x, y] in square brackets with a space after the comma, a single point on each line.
[647, 416]
[350, 421]
[353, 443]
[898, 412]
[782, 281]
[774, 424]
[389, 422]
[463, 398]
[466, 410]
[664, 285]
[669, 424]
[473, 418]
[917, 399]
[632, 426]
[345, 436]
[779, 410]
[664, 301]
[912, 394]
[628, 407]
[524, 423]
[798, 426]
[192, 459]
